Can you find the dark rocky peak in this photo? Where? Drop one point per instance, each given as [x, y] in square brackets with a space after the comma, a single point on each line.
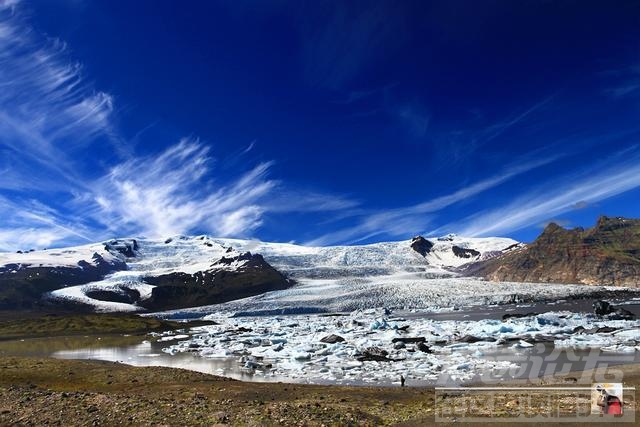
[606, 254]
[234, 276]
[243, 260]
[464, 252]
[421, 245]
[606, 223]
[128, 248]
[553, 229]
[555, 234]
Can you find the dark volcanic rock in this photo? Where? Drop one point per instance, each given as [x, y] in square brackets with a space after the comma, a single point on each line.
[123, 294]
[409, 340]
[128, 248]
[603, 308]
[464, 252]
[423, 348]
[227, 279]
[374, 354]
[471, 339]
[607, 254]
[517, 315]
[579, 330]
[421, 245]
[332, 339]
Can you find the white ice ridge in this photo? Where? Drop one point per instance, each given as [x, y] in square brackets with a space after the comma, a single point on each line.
[64, 257]
[397, 291]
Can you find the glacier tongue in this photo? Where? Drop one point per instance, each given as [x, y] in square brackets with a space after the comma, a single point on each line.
[344, 277]
[154, 257]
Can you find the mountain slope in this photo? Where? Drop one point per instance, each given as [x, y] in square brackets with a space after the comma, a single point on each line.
[606, 254]
[190, 271]
[25, 277]
[133, 275]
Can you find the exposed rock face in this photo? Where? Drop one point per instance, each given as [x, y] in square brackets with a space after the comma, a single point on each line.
[464, 252]
[421, 245]
[607, 254]
[22, 286]
[121, 294]
[128, 248]
[229, 278]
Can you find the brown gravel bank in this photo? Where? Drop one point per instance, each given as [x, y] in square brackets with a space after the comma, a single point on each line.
[72, 392]
[36, 391]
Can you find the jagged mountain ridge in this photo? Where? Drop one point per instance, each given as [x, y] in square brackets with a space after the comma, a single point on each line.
[606, 254]
[184, 271]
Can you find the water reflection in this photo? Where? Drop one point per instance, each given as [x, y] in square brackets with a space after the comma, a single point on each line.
[150, 354]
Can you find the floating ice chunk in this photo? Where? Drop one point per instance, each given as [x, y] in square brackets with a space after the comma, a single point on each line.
[173, 338]
[379, 324]
[301, 356]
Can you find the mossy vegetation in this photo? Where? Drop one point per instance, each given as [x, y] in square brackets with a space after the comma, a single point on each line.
[60, 325]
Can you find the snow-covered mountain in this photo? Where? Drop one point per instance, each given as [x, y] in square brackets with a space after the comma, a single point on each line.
[124, 272]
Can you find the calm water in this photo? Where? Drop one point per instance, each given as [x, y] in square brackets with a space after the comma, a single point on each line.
[132, 350]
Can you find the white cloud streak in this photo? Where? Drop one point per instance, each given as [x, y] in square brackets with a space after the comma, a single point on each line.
[414, 219]
[50, 115]
[620, 174]
[30, 224]
[46, 107]
[171, 194]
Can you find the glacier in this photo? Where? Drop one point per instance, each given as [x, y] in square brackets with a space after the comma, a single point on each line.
[328, 279]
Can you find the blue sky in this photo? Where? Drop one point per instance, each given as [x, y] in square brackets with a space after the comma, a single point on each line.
[316, 122]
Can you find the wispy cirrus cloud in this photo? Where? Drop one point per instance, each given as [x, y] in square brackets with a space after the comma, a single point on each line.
[415, 117]
[50, 116]
[28, 223]
[172, 193]
[616, 175]
[626, 84]
[416, 218]
[47, 108]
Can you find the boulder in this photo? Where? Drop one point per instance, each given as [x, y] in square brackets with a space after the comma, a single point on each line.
[603, 308]
[424, 348]
[375, 354]
[332, 339]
